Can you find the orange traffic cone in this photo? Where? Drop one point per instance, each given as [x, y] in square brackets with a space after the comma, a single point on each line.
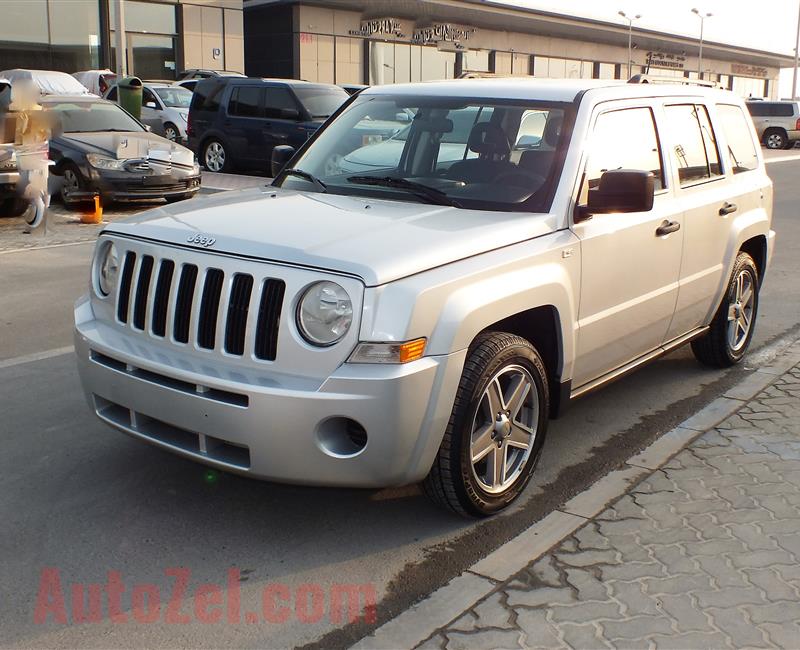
[97, 215]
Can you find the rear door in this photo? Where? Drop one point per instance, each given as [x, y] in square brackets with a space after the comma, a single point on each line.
[713, 190]
[629, 276]
[244, 125]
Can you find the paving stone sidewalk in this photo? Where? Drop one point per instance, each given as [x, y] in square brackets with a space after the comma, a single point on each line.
[704, 553]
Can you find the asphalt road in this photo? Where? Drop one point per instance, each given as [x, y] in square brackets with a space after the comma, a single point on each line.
[78, 500]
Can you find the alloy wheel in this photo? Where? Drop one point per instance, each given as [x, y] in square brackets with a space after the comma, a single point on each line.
[740, 311]
[215, 157]
[504, 429]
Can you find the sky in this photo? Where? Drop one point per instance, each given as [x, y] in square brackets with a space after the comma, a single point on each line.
[761, 24]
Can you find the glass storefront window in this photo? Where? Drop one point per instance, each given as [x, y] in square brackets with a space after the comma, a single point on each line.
[49, 35]
[150, 17]
[75, 34]
[607, 70]
[152, 57]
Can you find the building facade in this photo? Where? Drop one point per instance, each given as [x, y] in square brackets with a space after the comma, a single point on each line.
[163, 37]
[394, 41]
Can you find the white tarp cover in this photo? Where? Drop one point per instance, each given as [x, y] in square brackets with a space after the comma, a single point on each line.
[91, 79]
[49, 82]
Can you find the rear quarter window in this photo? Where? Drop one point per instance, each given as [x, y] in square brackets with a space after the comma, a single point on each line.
[741, 148]
[207, 97]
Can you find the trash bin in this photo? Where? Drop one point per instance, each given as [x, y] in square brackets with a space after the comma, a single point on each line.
[130, 95]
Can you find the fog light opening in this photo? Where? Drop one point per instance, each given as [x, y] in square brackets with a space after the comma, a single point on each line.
[341, 437]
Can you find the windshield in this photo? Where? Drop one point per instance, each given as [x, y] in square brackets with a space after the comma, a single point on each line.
[320, 101]
[175, 96]
[481, 154]
[89, 117]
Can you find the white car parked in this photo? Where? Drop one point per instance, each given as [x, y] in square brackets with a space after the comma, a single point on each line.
[422, 320]
[165, 109]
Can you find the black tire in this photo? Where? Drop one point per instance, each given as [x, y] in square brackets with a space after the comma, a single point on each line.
[13, 207]
[452, 481]
[775, 139]
[790, 144]
[170, 128]
[715, 348]
[211, 156]
[72, 178]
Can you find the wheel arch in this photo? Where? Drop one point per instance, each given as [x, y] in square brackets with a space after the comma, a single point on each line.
[774, 129]
[541, 327]
[756, 247]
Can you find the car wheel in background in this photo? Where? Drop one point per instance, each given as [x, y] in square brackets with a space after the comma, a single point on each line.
[775, 139]
[13, 207]
[730, 333]
[72, 181]
[215, 157]
[496, 429]
[171, 132]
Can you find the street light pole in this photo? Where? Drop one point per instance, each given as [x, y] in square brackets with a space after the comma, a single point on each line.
[119, 33]
[630, 20]
[702, 17]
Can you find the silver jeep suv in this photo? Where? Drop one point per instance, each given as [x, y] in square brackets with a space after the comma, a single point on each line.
[777, 123]
[423, 318]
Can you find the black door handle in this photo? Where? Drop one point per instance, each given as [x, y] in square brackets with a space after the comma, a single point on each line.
[727, 208]
[667, 227]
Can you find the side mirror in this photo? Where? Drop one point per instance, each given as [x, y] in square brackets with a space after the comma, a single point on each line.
[281, 154]
[150, 105]
[147, 127]
[290, 114]
[620, 190]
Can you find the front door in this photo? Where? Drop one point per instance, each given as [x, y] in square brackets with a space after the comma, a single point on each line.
[283, 121]
[629, 273]
[151, 115]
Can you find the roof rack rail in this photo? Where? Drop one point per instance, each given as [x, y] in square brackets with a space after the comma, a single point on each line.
[681, 81]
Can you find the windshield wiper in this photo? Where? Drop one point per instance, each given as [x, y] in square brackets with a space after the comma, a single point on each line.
[309, 177]
[425, 191]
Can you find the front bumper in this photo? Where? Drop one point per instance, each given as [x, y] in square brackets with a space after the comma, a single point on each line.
[272, 430]
[128, 186]
[8, 182]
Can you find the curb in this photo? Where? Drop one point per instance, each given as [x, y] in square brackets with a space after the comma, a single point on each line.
[444, 605]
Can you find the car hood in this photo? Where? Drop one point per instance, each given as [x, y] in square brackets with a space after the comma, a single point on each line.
[376, 240]
[132, 144]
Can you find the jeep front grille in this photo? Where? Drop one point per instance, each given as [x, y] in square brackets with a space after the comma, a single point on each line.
[202, 306]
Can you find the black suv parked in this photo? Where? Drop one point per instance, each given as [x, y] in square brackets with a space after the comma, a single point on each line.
[235, 122]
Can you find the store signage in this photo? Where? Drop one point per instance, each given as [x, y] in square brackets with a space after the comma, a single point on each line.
[390, 28]
[749, 70]
[379, 27]
[666, 60]
[441, 32]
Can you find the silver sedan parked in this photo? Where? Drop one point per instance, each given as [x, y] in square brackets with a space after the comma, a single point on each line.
[165, 108]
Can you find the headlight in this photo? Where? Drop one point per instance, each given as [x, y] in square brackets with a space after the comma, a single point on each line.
[104, 162]
[107, 269]
[324, 314]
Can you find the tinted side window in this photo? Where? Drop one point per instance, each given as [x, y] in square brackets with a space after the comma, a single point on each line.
[782, 110]
[758, 109]
[245, 101]
[624, 139]
[696, 155]
[737, 134]
[112, 94]
[147, 96]
[207, 97]
[278, 100]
